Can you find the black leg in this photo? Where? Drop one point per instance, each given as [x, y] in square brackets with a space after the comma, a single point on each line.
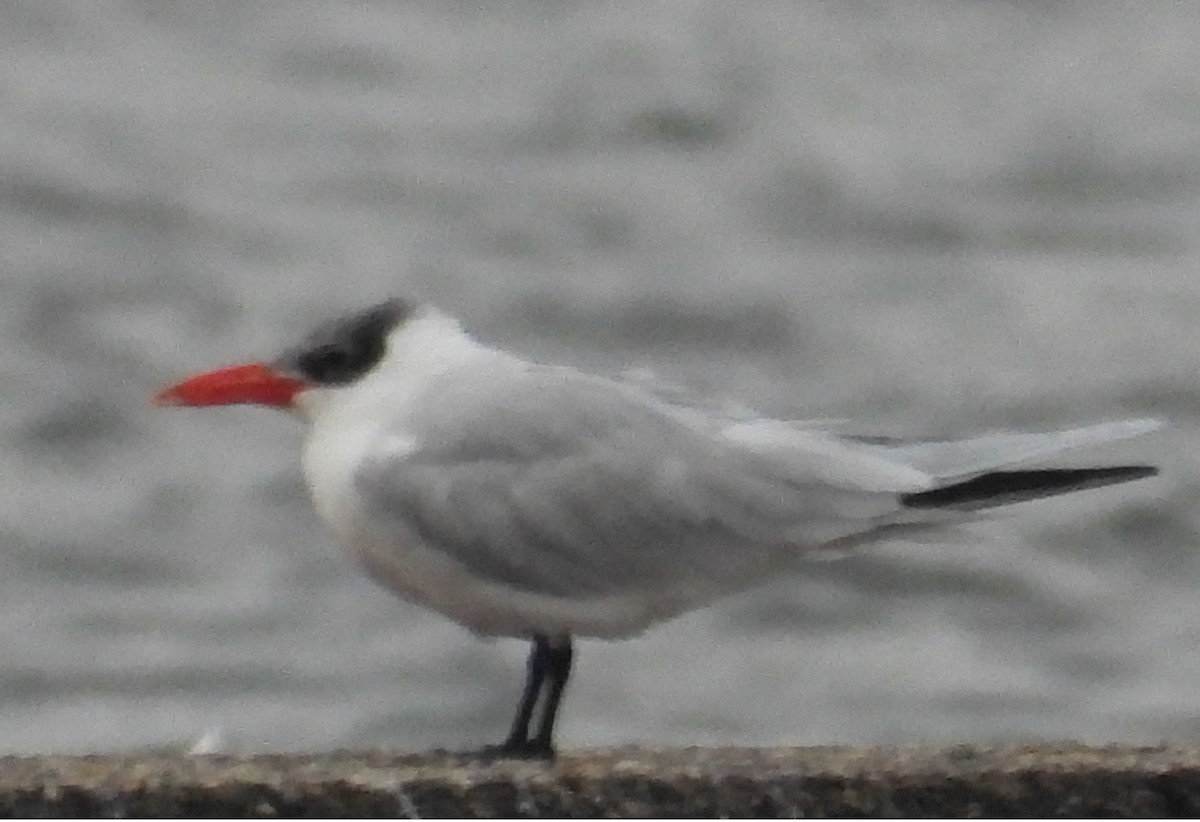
[559, 669]
[548, 658]
[535, 674]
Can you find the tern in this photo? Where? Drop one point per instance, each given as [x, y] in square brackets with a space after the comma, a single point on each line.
[544, 502]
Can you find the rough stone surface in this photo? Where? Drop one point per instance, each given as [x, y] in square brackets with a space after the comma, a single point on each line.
[1042, 780]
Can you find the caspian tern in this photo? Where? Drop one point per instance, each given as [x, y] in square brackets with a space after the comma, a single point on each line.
[543, 502]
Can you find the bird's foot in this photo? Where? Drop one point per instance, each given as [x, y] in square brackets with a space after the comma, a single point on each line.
[518, 749]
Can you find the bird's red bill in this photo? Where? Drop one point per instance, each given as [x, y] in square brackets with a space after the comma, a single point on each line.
[254, 382]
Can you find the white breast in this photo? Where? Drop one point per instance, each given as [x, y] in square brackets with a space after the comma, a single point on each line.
[428, 574]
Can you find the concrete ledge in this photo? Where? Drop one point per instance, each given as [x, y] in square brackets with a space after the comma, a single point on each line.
[1042, 780]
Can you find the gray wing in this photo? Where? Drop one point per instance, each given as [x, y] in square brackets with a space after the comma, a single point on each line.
[556, 482]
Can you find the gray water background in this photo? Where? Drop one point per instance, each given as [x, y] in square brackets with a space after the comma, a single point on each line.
[929, 217]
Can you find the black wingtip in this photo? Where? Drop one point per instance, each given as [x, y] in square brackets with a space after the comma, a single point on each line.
[1008, 487]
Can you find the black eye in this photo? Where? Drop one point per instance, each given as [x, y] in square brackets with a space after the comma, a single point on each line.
[326, 364]
[345, 350]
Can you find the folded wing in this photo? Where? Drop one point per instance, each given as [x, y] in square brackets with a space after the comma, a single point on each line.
[557, 483]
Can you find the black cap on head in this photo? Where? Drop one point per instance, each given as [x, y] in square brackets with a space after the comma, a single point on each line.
[344, 350]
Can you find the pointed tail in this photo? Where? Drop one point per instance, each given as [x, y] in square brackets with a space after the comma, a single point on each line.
[1006, 487]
